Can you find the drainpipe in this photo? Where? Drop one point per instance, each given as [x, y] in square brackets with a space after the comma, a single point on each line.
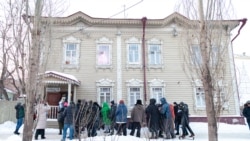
[244, 21]
[144, 19]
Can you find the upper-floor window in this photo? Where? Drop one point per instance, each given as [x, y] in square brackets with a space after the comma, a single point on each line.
[196, 55]
[103, 56]
[71, 52]
[104, 53]
[154, 53]
[134, 53]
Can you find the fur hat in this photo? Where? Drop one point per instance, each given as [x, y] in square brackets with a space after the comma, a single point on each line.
[248, 102]
[112, 102]
[121, 102]
[138, 102]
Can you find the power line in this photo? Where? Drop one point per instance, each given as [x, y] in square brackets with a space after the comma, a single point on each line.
[124, 9]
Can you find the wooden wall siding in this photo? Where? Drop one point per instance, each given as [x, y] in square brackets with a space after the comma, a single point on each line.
[178, 85]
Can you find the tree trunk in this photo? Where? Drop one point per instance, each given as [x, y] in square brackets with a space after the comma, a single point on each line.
[33, 73]
[207, 79]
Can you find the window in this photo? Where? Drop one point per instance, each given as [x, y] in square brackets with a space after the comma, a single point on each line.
[104, 90]
[103, 55]
[134, 94]
[196, 57]
[157, 88]
[214, 56]
[157, 94]
[154, 54]
[134, 91]
[71, 52]
[105, 94]
[134, 53]
[220, 97]
[200, 97]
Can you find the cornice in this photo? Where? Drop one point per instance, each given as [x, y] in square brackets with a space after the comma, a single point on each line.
[173, 18]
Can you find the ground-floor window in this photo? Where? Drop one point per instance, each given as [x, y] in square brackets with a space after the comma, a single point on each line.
[105, 94]
[134, 95]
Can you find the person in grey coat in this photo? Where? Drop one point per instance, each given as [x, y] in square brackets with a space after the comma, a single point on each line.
[137, 118]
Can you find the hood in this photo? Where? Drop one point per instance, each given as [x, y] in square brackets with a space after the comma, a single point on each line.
[152, 101]
[105, 104]
[163, 100]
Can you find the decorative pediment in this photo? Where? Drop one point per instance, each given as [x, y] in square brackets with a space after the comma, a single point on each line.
[133, 40]
[154, 41]
[71, 39]
[103, 40]
[156, 82]
[134, 82]
[105, 82]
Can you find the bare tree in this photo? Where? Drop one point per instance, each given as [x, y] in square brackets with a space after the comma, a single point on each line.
[207, 55]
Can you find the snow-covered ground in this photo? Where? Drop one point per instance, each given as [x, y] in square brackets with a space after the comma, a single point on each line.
[226, 132]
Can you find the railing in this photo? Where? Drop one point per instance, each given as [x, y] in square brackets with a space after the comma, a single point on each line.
[53, 112]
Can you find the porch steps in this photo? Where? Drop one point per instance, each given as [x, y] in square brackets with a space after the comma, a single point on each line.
[52, 124]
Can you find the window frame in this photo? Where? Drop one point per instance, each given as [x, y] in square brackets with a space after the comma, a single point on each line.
[156, 83]
[133, 83]
[196, 55]
[104, 83]
[68, 63]
[129, 43]
[158, 43]
[104, 41]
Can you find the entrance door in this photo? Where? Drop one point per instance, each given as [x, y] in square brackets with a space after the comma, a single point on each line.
[54, 98]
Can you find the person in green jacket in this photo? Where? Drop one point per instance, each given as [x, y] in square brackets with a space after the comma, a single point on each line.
[105, 117]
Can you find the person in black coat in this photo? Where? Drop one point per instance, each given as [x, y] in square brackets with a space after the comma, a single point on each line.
[153, 118]
[19, 116]
[177, 120]
[184, 111]
[112, 116]
[93, 118]
[246, 112]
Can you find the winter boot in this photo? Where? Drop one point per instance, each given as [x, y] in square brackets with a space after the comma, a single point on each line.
[152, 136]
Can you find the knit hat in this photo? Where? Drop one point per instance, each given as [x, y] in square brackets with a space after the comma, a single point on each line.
[112, 102]
[138, 102]
[65, 104]
[121, 102]
[248, 102]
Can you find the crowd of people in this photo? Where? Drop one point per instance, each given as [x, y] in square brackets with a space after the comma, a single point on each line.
[163, 120]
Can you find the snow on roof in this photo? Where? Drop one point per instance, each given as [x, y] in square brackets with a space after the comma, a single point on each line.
[64, 75]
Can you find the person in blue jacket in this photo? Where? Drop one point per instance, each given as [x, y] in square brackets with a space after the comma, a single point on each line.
[121, 118]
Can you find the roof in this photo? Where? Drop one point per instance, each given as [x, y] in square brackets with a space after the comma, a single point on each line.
[63, 78]
[174, 17]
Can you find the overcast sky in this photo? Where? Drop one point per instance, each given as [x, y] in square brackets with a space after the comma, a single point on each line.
[156, 9]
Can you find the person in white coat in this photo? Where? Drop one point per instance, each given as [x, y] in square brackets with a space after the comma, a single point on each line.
[42, 111]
